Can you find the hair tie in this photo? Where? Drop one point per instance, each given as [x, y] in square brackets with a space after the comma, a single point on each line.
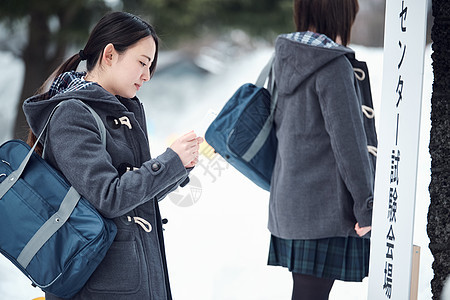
[82, 55]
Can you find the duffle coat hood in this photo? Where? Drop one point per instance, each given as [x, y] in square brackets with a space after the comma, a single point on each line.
[122, 181]
[323, 178]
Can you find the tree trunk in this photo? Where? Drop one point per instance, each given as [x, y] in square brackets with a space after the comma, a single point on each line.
[38, 58]
[439, 211]
[37, 68]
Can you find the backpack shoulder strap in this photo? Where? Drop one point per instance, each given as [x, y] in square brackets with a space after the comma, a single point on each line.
[99, 121]
[265, 72]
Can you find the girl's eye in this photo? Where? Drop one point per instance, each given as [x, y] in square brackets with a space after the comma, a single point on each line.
[143, 64]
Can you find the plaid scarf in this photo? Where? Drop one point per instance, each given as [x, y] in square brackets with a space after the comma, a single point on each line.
[66, 82]
[311, 38]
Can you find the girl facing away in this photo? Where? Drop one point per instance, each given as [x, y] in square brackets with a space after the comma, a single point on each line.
[122, 181]
[321, 195]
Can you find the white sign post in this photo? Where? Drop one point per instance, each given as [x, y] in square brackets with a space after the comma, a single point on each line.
[398, 135]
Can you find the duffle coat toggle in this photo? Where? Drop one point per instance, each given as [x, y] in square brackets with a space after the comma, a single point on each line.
[124, 121]
[367, 110]
[141, 222]
[126, 167]
[116, 123]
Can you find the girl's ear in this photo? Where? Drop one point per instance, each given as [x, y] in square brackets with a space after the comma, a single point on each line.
[109, 54]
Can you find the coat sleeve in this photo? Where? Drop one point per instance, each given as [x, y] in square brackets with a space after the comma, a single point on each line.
[181, 183]
[343, 119]
[75, 148]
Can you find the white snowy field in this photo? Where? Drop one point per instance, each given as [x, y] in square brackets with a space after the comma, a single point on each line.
[217, 240]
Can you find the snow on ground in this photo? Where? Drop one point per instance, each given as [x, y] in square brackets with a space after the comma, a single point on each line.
[217, 240]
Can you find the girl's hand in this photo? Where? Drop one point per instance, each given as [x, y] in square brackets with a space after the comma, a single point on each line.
[361, 231]
[187, 147]
[192, 163]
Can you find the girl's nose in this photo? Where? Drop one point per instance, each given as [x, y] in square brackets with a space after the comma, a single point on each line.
[146, 74]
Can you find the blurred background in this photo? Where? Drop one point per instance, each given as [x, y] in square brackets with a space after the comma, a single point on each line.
[208, 49]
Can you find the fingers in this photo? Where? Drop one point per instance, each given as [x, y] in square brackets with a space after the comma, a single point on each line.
[361, 231]
[190, 136]
[192, 163]
[187, 147]
[191, 139]
[196, 141]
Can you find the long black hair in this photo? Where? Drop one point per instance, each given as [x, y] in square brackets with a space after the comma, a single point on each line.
[118, 28]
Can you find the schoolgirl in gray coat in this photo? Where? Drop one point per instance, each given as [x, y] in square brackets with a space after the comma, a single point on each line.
[122, 181]
[321, 195]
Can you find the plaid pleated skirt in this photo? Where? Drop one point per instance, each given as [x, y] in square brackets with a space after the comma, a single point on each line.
[340, 258]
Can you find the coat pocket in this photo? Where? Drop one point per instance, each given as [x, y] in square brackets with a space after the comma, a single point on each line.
[120, 272]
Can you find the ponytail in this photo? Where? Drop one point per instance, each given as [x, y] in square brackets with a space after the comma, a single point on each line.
[31, 140]
[69, 65]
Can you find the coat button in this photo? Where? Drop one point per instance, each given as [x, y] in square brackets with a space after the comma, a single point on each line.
[370, 204]
[156, 166]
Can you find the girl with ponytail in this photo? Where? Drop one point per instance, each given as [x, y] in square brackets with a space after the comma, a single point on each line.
[108, 30]
[122, 180]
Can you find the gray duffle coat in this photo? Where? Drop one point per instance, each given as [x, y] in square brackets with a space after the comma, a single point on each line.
[323, 178]
[122, 181]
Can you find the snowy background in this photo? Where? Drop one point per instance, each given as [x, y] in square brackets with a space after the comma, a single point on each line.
[217, 240]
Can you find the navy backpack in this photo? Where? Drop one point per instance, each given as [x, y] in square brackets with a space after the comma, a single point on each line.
[243, 131]
[51, 233]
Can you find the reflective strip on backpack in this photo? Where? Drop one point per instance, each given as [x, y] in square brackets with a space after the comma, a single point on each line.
[52, 225]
